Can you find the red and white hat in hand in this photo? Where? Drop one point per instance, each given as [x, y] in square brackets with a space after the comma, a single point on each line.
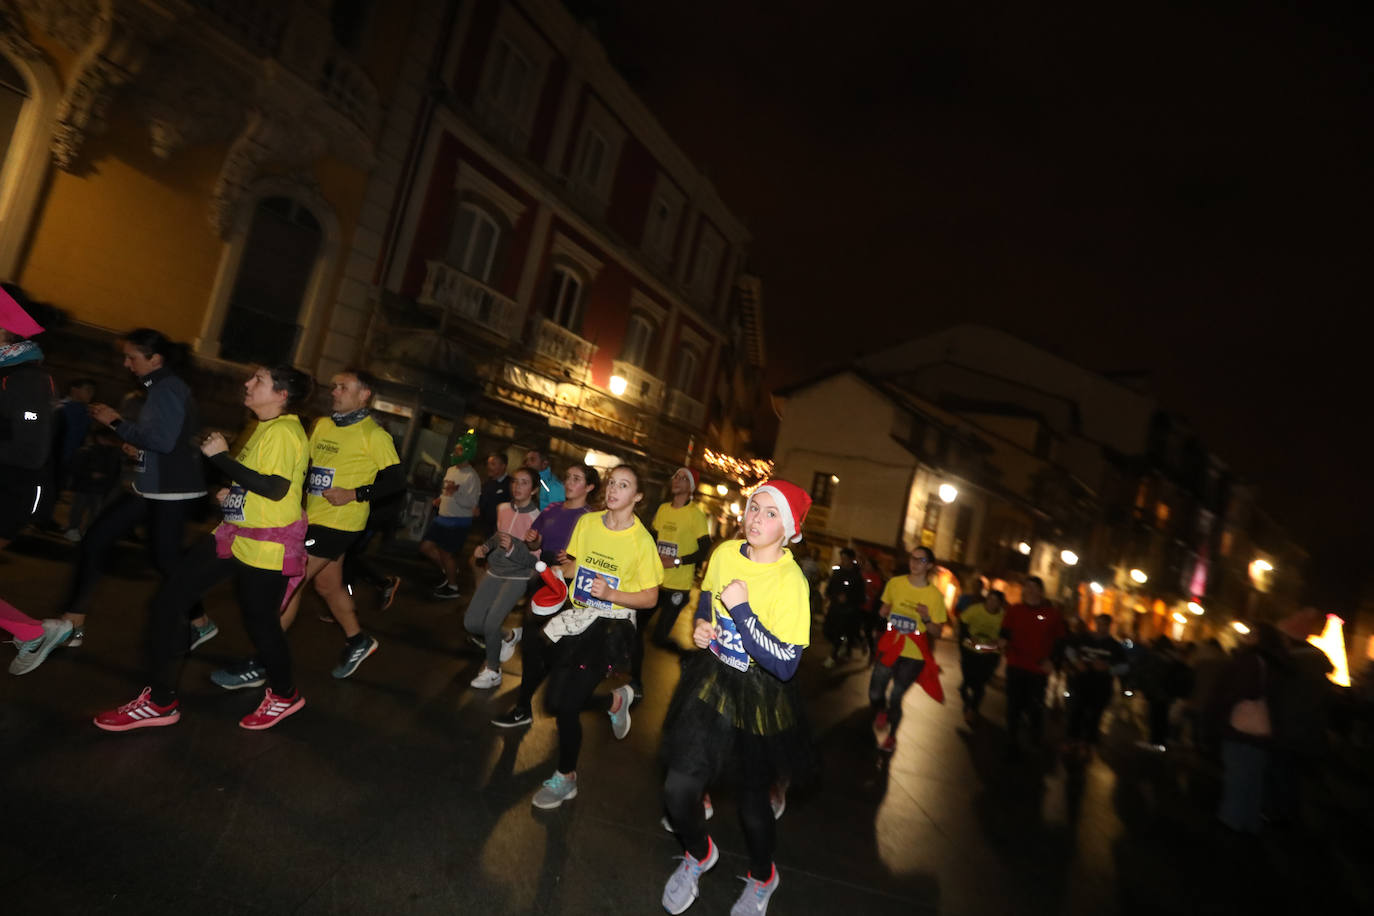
[793, 504]
[551, 598]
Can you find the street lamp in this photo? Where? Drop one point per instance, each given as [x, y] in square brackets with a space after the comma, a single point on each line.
[948, 493]
[734, 508]
[1138, 577]
[1023, 548]
[834, 478]
[722, 489]
[1096, 587]
[1196, 608]
[1239, 627]
[1069, 557]
[1262, 565]
[618, 385]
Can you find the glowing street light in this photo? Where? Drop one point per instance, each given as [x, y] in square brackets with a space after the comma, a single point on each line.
[1239, 627]
[1263, 565]
[834, 478]
[1179, 618]
[948, 493]
[618, 385]
[1096, 587]
[1138, 576]
[1023, 548]
[722, 489]
[1196, 608]
[734, 509]
[1069, 557]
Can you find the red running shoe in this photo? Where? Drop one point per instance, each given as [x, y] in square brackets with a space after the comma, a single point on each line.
[889, 744]
[272, 710]
[141, 712]
[880, 720]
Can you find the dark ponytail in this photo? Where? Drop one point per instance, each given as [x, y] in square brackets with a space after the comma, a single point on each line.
[155, 343]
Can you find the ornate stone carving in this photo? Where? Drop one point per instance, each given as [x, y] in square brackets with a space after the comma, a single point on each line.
[72, 22]
[187, 100]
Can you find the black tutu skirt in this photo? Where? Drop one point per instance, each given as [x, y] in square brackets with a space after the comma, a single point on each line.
[743, 727]
[604, 646]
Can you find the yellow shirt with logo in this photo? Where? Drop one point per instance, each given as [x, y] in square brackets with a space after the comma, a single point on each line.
[778, 591]
[627, 559]
[349, 457]
[678, 530]
[983, 625]
[904, 599]
[277, 447]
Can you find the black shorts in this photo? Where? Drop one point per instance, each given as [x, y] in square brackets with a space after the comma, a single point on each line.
[19, 488]
[328, 543]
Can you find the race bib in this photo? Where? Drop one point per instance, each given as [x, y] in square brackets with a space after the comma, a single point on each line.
[728, 647]
[667, 550]
[582, 585]
[318, 480]
[140, 463]
[233, 504]
[901, 624]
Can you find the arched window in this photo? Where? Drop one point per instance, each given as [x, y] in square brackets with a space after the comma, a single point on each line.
[685, 377]
[14, 95]
[564, 305]
[279, 259]
[639, 333]
[29, 95]
[473, 246]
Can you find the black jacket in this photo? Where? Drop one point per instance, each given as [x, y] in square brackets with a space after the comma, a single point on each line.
[171, 462]
[28, 408]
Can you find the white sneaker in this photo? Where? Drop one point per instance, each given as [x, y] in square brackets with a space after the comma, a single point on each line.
[510, 642]
[487, 678]
[73, 535]
[620, 719]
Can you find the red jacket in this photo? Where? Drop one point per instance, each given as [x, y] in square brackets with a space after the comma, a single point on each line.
[1031, 633]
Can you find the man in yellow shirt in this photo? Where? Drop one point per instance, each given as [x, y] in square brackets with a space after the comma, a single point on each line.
[680, 530]
[353, 461]
[910, 605]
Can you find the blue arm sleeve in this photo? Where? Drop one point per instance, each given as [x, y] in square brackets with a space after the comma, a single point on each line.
[778, 658]
[159, 422]
[704, 606]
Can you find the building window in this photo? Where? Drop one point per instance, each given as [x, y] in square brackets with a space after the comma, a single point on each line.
[591, 160]
[658, 240]
[704, 272]
[473, 246]
[279, 257]
[509, 78]
[564, 306]
[639, 333]
[685, 377]
[822, 488]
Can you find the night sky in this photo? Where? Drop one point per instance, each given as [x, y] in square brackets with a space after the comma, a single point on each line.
[1155, 187]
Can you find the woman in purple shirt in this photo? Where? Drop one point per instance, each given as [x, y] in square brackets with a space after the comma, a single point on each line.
[554, 526]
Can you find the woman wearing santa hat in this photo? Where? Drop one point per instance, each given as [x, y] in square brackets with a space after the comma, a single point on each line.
[737, 712]
[27, 402]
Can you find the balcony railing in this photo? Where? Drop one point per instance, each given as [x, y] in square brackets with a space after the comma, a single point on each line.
[466, 299]
[562, 347]
[686, 410]
[640, 387]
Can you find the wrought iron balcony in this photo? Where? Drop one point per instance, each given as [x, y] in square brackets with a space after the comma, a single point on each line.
[468, 300]
[685, 410]
[561, 347]
[640, 387]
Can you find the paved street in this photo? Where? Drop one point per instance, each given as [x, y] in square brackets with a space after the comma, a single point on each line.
[390, 793]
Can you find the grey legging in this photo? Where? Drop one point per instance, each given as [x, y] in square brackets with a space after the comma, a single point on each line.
[490, 605]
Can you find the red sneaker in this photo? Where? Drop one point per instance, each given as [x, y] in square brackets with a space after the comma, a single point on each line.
[272, 710]
[889, 744]
[141, 712]
[880, 720]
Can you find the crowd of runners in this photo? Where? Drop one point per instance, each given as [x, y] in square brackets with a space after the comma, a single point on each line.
[295, 509]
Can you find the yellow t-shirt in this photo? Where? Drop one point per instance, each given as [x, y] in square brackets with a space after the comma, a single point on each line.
[277, 447]
[904, 599]
[626, 559]
[345, 456]
[983, 625]
[678, 531]
[778, 594]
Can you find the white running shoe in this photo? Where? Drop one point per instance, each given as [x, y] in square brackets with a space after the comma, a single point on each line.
[487, 678]
[510, 642]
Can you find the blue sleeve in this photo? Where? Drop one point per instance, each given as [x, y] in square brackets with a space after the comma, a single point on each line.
[704, 606]
[159, 422]
[778, 658]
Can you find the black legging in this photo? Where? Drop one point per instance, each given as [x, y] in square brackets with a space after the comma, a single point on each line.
[571, 691]
[902, 674]
[977, 668]
[259, 593]
[682, 796]
[166, 520]
[668, 612]
[1159, 720]
[1025, 696]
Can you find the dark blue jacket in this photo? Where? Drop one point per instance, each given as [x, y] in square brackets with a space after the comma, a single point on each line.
[170, 462]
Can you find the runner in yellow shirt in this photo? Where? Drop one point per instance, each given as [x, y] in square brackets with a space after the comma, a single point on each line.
[910, 605]
[260, 544]
[352, 462]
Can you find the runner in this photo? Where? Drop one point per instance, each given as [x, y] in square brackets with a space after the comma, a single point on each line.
[684, 540]
[980, 624]
[614, 570]
[510, 566]
[26, 418]
[448, 530]
[550, 534]
[259, 546]
[737, 713]
[168, 478]
[352, 462]
[1094, 661]
[911, 606]
[1030, 630]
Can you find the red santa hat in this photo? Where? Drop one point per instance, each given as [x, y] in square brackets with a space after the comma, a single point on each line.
[551, 598]
[692, 475]
[793, 503]
[14, 319]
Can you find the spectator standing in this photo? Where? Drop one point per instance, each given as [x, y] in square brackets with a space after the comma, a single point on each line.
[448, 531]
[550, 487]
[495, 491]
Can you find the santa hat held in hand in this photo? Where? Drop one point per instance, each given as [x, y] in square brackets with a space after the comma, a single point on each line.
[549, 599]
[793, 503]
